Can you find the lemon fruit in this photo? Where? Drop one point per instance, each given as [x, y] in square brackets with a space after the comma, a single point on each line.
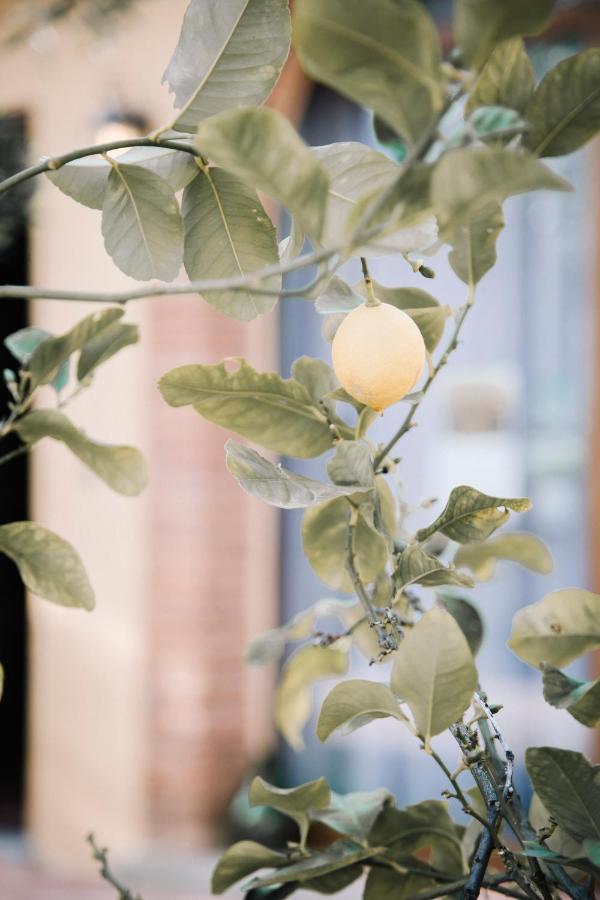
[378, 354]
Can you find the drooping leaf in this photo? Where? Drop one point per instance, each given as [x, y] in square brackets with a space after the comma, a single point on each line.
[228, 55]
[417, 567]
[228, 234]
[49, 566]
[465, 182]
[481, 24]
[564, 113]
[507, 79]
[352, 465]
[580, 698]
[355, 703]
[434, 672]
[242, 859]
[141, 224]
[354, 814]
[293, 705]
[297, 802]
[569, 788]
[104, 345]
[264, 150]
[474, 244]
[47, 360]
[470, 515]
[467, 618]
[341, 854]
[520, 547]
[388, 61]
[24, 342]
[426, 824]
[325, 540]
[273, 484]
[122, 468]
[557, 629]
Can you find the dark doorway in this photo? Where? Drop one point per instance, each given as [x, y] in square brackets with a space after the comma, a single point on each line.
[13, 488]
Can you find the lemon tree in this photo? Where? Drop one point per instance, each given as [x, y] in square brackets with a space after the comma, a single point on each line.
[459, 135]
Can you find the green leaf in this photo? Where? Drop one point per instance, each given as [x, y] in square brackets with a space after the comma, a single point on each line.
[335, 881]
[276, 412]
[242, 859]
[564, 113]
[297, 803]
[325, 536]
[467, 618]
[525, 549]
[292, 246]
[352, 465]
[559, 841]
[592, 851]
[293, 705]
[264, 150]
[557, 629]
[388, 61]
[470, 515]
[273, 484]
[355, 703]
[339, 855]
[474, 244]
[580, 698]
[229, 54]
[49, 566]
[23, 343]
[122, 468]
[354, 814]
[426, 824]
[465, 182]
[321, 382]
[569, 788]
[47, 360]
[269, 646]
[356, 173]
[480, 24]
[339, 297]
[417, 567]
[141, 224]
[105, 345]
[434, 672]
[85, 180]
[507, 79]
[383, 883]
[228, 234]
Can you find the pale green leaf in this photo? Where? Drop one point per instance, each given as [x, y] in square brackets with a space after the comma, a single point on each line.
[276, 412]
[355, 703]
[580, 698]
[354, 814]
[264, 150]
[465, 182]
[122, 468]
[569, 788]
[481, 24]
[525, 549]
[434, 672]
[269, 646]
[242, 859]
[565, 110]
[557, 629]
[325, 538]
[228, 234]
[417, 567]
[104, 345]
[141, 224]
[273, 484]
[352, 465]
[297, 802]
[388, 61]
[467, 618]
[507, 79]
[341, 854]
[559, 841]
[474, 244]
[291, 247]
[229, 54]
[293, 703]
[339, 297]
[321, 382]
[470, 515]
[49, 566]
[176, 167]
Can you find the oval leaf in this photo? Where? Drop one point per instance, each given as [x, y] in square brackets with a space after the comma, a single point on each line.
[470, 515]
[242, 859]
[355, 703]
[558, 629]
[507, 79]
[417, 567]
[580, 698]
[569, 788]
[525, 549]
[480, 24]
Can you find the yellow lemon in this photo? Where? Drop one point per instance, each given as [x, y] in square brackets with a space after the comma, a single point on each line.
[378, 354]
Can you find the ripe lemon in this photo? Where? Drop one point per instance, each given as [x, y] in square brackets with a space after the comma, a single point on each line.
[378, 354]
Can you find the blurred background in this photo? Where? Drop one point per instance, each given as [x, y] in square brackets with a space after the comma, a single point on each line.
[141, 721]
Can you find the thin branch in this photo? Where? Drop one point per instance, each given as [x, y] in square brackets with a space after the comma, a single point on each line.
[452, 887]
[100, 854]
[14, 453]
[407, 424]
[459, 793]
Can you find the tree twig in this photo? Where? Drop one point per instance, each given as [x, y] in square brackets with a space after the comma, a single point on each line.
[100, 854]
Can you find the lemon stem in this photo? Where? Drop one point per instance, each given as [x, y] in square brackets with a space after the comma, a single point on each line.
[371, 298]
